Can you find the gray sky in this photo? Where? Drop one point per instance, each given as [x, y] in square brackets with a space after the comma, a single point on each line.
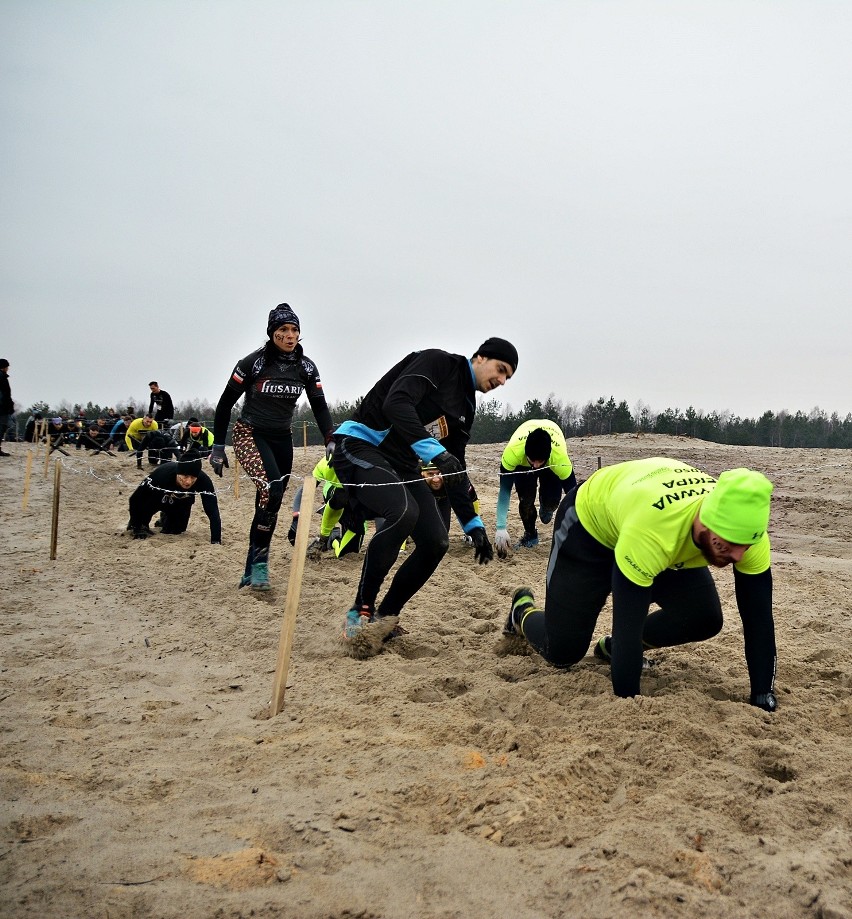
[653, 200]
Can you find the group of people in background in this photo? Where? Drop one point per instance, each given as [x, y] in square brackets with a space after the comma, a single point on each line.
[641, 532]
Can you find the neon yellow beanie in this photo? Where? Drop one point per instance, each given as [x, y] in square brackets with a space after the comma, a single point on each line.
[738, 507]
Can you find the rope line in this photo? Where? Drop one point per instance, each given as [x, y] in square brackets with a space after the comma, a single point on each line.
[85, 469]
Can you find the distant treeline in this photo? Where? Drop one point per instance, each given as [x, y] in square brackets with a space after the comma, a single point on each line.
[494, 423]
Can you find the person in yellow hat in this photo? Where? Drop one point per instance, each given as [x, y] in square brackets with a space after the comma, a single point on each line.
[646, 531]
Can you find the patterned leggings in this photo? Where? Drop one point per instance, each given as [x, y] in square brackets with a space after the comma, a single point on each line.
[268, 462]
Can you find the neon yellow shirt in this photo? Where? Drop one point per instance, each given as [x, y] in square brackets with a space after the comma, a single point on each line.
[134, 434]
[644, 510]
[514, 456]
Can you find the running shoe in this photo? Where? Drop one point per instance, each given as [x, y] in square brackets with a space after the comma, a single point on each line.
[356, 619]
[528, 540]
[521, 599]
[260, 576]
[603, 652]
[603, 649]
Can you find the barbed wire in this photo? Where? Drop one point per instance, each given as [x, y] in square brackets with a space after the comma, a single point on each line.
[227, 487]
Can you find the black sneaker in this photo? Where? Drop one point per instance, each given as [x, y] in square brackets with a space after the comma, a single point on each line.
[528, 541]
[603, 652]
[521, 598]
[603, 649]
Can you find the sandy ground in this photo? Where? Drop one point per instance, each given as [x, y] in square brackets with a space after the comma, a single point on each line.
[449, 776]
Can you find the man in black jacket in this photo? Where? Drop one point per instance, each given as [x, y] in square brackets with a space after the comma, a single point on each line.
[171, 489]
[420, 412]
[7, 406]
[160, 406]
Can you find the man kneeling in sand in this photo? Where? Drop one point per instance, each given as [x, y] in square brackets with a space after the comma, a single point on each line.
[171, 489]
[645, 531]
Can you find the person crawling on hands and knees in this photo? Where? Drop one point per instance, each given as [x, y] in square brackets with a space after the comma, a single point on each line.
[645, 532]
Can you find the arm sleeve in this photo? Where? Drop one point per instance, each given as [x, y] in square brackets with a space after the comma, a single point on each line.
[210, 503]
[754, 602]
[503, 497]
[222, 419]
[630, 604]
[168, 406]
[323, 416]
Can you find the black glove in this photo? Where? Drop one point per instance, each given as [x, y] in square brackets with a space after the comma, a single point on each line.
[764, 700]
[291, 533]
[448, 465]
[329, 449]
[217, 459]
[482, 550]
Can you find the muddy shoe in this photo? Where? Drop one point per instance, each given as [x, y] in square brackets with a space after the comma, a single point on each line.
[356, 619]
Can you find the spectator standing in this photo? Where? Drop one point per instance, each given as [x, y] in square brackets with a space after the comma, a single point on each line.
[160, 407]
[7, 406]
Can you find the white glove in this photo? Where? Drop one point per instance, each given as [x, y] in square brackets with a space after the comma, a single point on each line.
[501, 541]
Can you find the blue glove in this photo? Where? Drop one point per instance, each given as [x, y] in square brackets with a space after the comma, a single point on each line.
[218, 459]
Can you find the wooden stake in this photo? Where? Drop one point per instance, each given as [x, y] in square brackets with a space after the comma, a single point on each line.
[305, 435]
[236, 477]
[54, 523]
[27, 471]
[294, 590]
[47, 456]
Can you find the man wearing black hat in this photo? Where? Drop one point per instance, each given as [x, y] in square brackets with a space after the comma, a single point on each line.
[171, 489]
[420, 412]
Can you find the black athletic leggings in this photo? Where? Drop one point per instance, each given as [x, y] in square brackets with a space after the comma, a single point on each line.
[581, 574]
[408, 510]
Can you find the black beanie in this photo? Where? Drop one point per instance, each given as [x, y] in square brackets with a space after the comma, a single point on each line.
[501, 350]
[189, 464]
[538, 445]
[277, 317]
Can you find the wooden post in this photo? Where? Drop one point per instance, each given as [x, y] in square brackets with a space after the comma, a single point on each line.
[599, 462]
[305, 435]
[294, 590]
[27, 471]
[236, 477]
[47, 456]
[54, 523]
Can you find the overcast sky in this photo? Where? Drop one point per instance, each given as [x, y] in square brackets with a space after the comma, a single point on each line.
[652, 200]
